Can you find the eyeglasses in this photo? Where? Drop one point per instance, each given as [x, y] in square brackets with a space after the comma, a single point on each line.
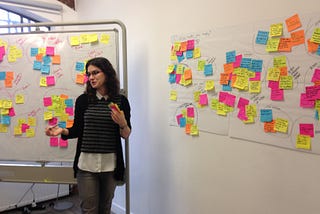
[93, 73]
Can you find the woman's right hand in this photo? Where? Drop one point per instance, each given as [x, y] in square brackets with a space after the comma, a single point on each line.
[53, 130]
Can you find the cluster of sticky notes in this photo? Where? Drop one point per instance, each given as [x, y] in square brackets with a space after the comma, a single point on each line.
[88, 38]
[25, 127]
[246, 112]
[279, 79]
[6, 113]
[311, 97]
[7, 77]
[274, 38]
[224, 104]
[306, 132]
[241, 73]
[59, 111]
[186, 119]
[271, 124]
[44, 59]
[14, 52]
[181, 50]
[81, 77]
[180, 74]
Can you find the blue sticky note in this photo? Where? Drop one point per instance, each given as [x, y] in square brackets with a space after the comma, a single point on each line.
[33, 51]
[2, 75]
[316, 115]
[318, 50]
[246, 63]
[266, 115]
[183, 122]
[5, 120]
[262, 37]
[69, 102]
[180, 58]
[189, 54]
[79, 66]
[208, 70]
[37, 65]
[256, 65]
[46, 60]
[62, 124]
[231, 56]
[172, 78]
[227, 87]
[45, 69]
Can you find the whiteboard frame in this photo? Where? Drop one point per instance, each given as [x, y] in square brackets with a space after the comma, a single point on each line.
[59, 173]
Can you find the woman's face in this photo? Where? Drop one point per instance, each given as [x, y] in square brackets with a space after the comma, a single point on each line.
[96, 78]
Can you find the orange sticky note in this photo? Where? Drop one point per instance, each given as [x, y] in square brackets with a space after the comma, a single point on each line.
[228, 68]
[188, 74]
[284, 71]
[224, 78]
[9, 75]
[297, 37]
[312, 47]
[56, 59]
[269, 126]
[80, 79]
[293, 23]
[39, 57]
[188, 128]
[285, 45]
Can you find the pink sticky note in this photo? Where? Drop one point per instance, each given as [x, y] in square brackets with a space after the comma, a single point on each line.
[277, 94]
[316, 75]
[24, 127]
[12, 112]
[190, 112]
[190, 44]
[222, 96]
[257, 77]
[50, 51]
[230, 100]
[50, 80]
[47, 101]
[53, 121]
[178, 78]
[54, 141]
[69, 111]
[273, 84]
[306, 129]
[178, 117]
[242, 114]
[242, 102]
[312, 92]
[203, 99]
[305, 102]
[63, 143]
[237, 63]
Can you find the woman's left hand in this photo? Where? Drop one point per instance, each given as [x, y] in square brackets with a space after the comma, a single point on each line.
[119, 118]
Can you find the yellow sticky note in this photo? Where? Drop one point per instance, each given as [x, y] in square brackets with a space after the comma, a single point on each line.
[17, 130]
[201, 65]
[251, 110]
[104, 38]
[43, 82]
[30, 132]
[303, 142]
[273, 74]
[47, 115]
[255, 86]
[7, 104]
[276, 29]
[170, 69]
[194, 130]
[19, 99]
[272, 44]
[209, 85]
[286, 82]
[241, 82]
[173, 95]
[280, 61]
[197, 53]
[74, 40]
[214, 103]
[3, 128]
[32, 121]
[316, 36]
[84, 38]
[281, 125]
[93, 37]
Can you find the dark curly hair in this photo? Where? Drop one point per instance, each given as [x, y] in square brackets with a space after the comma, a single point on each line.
[112, 82]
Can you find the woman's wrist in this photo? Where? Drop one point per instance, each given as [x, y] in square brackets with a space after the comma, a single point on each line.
[123, 126]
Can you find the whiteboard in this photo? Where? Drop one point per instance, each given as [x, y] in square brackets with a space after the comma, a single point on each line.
[214, 44]
[31, 99]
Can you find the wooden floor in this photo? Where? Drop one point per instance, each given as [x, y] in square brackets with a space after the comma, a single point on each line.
[64, 205]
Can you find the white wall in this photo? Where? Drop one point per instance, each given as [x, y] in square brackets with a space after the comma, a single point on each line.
[172, 173]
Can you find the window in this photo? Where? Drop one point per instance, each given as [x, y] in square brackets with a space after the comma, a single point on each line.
[11, 18]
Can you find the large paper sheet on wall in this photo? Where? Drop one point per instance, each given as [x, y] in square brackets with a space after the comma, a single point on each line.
[266, 82]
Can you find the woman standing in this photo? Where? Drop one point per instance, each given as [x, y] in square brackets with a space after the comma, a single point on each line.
[98, 163]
